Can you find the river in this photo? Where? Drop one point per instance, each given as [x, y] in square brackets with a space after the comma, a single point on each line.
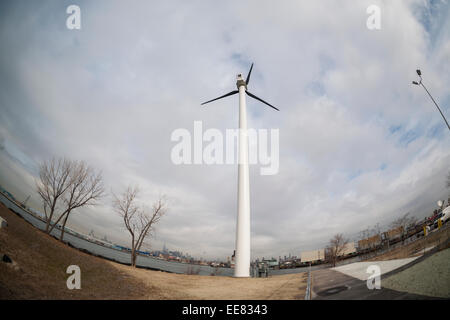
[124, 257]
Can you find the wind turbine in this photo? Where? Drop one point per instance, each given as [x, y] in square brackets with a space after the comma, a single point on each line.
[242, 266]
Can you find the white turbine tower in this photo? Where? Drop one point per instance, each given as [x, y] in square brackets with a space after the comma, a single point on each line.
[242, 267]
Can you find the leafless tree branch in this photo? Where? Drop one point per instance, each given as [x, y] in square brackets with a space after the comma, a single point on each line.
[403, 221]
[65, 185]
[448, 180]
[336, 248]
[54, 180]
[86, 188]
[138, 221]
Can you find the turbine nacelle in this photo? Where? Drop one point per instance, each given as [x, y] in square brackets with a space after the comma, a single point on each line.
[239, 83]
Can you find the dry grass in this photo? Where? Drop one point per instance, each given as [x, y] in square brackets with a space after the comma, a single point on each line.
[195, 287]
[42, 262]
[41, 274]
[417, 248]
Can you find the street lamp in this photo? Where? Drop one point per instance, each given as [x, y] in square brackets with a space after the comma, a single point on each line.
[419, 73]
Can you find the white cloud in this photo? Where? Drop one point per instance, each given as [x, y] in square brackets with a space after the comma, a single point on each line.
[358, 143]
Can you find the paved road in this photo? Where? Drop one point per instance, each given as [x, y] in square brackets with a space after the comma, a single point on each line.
[329, 284]
[358, 270]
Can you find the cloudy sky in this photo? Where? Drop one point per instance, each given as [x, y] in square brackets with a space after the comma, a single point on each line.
[359, 144]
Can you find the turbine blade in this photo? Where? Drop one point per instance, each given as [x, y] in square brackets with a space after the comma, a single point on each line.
[255, 97]
[248, 76]
[225, 95]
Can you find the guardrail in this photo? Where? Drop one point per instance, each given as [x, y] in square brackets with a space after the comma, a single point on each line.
[308, 286]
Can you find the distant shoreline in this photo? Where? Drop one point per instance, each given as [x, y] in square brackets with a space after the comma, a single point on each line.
[18, 205]
[68, 242]
[202, 269]
[39, 263]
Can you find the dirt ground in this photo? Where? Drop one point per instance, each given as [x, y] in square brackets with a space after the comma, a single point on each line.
[40, 263]
[193, 287]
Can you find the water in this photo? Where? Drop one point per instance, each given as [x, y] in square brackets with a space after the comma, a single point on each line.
[142, 261]
[114, 254]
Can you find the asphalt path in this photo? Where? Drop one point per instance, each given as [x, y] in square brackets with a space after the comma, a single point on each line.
[331, 284]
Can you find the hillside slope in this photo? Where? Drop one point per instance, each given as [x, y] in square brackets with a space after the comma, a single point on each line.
[41, 264]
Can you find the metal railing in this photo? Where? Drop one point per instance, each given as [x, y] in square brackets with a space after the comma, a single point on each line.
[308, 286]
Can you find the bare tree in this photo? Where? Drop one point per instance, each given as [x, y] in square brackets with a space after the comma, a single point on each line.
[376, 230]
[404, 221]
[366, 233]
[65, 185]
[336, 248]
[138, 221]
[448, 180]
[54, 180]
[85, 188]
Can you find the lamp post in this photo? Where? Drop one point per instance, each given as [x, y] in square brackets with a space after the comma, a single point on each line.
[419, 73]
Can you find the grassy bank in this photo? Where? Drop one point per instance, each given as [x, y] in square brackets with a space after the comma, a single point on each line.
[40, 263]
[418, 247]
[430, 277]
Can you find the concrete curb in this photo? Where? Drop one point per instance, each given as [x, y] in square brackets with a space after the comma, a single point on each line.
[308, 286]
